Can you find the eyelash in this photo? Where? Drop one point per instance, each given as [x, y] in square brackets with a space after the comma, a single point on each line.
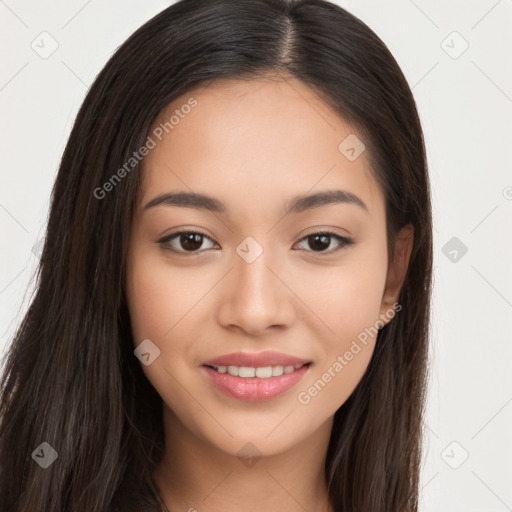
[164, 242]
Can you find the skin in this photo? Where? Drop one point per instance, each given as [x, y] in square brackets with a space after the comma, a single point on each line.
[254, 145]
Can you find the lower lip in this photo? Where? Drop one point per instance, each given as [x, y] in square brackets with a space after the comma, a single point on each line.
[254, 389]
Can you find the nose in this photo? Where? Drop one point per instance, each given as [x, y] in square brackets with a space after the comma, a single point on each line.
[256, 297]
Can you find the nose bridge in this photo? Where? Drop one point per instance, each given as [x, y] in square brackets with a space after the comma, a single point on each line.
[256, 286]
[257, 299]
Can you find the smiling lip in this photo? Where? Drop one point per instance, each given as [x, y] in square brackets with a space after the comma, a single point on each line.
[254, 360]
[255, 389]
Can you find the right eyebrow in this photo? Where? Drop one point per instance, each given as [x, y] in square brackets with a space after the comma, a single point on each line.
[187, 200]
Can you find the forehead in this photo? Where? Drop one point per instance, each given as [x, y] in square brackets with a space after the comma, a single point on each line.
[255, 139]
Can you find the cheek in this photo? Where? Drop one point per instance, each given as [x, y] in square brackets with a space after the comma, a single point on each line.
[161, 303]
[344, 299]
[161, 295]
[166, 303]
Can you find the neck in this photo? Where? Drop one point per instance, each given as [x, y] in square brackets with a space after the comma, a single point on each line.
[196, 475]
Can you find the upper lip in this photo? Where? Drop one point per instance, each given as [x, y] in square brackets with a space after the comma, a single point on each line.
[255, 360]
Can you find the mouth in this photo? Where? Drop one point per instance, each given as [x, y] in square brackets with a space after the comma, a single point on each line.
[255, 383]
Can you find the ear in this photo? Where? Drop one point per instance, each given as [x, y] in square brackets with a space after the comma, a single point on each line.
[397, 268]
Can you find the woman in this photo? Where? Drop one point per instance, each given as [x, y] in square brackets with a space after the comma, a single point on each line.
[233, 297]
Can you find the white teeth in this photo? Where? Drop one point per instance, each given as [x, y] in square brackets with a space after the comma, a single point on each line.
[244, 371]
[262, 372]
[277, 370]
[233, 370]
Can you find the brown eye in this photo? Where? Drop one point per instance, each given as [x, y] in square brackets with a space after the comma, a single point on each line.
[187, 241]
[320, 242]
[191, 241]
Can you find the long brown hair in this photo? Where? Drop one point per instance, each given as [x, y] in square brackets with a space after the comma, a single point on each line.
[71, 378]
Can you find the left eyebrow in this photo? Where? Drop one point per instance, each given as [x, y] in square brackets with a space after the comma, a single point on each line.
[297, 204]
[301, 203]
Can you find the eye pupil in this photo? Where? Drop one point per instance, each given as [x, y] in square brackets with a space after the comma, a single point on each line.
[325, 240]
[191, 241]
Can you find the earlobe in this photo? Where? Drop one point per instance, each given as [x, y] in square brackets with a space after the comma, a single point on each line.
[398, 267]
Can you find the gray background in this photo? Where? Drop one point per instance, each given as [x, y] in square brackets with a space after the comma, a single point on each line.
[464, 96]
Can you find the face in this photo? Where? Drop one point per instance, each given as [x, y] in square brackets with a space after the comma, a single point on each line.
[309, 281]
